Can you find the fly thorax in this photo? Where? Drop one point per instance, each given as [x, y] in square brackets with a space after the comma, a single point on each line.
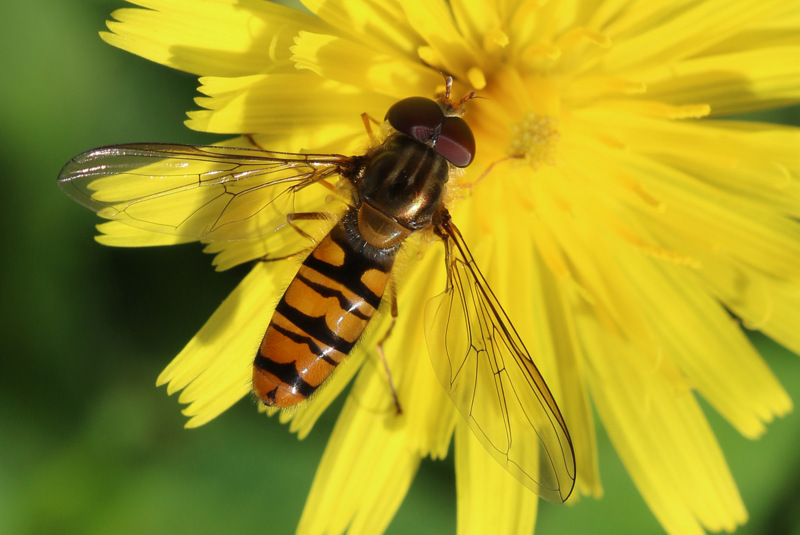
[378, 229]
[403, 182]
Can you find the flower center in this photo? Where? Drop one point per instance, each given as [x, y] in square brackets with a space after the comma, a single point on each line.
[535, 137]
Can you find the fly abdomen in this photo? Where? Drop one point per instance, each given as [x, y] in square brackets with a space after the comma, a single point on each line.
[322, 314]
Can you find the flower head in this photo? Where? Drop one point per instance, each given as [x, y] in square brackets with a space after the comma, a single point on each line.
[620, 223]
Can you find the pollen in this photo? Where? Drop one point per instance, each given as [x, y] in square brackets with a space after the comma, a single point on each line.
[535, 138]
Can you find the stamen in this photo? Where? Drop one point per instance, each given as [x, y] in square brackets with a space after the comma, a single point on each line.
[541, 51]
[494, 40]
[476, 78]
[666, 111]
[589, 88]
[583, 35]
[428, 55]
[539, 56]
[668, 255]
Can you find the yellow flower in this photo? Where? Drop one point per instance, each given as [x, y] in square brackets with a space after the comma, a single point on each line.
[619, 224]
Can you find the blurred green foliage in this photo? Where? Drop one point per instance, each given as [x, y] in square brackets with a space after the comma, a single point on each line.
[89, 444]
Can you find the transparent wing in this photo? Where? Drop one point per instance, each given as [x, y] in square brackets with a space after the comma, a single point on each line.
[205, 193]
[490, 377]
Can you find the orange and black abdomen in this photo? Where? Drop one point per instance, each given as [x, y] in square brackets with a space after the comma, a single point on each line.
[322, 314]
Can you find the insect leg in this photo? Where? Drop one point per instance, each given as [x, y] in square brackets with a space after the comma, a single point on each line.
[307, 216]
[253, 141]
[448, 257]
[367, 118]
[290, 219]
[393, 296]
[279, 258]
[490, 168]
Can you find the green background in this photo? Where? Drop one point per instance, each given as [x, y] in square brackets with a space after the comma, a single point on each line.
[89, 445]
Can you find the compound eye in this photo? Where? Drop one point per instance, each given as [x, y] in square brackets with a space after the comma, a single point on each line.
[456, 142]
[417, 117]
[422, 119]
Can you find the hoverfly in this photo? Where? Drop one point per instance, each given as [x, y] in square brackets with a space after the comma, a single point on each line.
[395, 189]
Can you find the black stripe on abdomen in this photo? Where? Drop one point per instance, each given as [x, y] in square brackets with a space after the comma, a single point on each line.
[359, 257]
[314, 327]
[286, 372]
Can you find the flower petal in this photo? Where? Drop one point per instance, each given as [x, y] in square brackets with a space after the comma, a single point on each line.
[215, 368]
[490, 500]
[448, 50]
[479, 23]
[210, 37]
[736, 82]
[749, 226]
[116, 234]
[684, 30]
[355, 64]
[763, 303]
[380, 24]
[663, 298]
[287, 109]
[366, 470]
[662, 438]
[747, 394]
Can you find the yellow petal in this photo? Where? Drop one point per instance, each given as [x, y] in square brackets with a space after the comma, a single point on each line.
[662, 438]
[116, 234]
[477, 20]
[663, 299]
[686, 29]
[490, 500]
[364, 474]
[215, 38]
[215, 368]
[353, 63]
[763, 303]
[736, 217]
[381, 25]
[273, 246]
[282, 104]
[747, 394]
[737, 82]
[449, 51]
